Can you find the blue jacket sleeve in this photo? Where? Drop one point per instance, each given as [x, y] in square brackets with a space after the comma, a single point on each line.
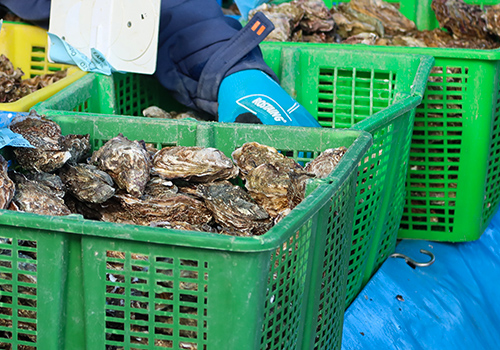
[192, 32]
[36, 11]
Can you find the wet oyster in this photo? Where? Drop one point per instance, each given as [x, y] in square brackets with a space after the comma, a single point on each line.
[276, 190]
[234, 209]
[316, 17]
[125, 208]
[12, 87]
[363, 38]
[195, 164]
[43, 134]
[394, 22]
[78, 146]
[35, 197]
[492, 19]
[324, 164]
[351, 22]
[461, 19]
[253, 154]
[159, 188]
[87, 183]
[52, 181]
[127, 162]
[7, 186]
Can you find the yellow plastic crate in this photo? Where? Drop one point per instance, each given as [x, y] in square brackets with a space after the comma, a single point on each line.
[26, 47]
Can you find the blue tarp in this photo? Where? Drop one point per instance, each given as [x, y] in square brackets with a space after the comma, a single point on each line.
[452, 304]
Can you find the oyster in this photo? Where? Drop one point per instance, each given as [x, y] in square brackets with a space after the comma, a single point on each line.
[156, 112]
[394, 22]
[492, 18]
[34, 197]
[461, 19]
[351, 22]
[7, 186]
[324, 164]
[45, 135]
[195, 164]
[52, 181]
[363, 38]
[234, 209]
[127, 162]
[78, 146]
[253, 154]
[276, 190]
[87, 183]
[13, 88]
[160, 189]
[316, 17]
[177, 208]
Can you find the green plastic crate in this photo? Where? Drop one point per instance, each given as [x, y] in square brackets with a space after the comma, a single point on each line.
[105, 285]
[420, 11]
[386, 87]
[453, 184]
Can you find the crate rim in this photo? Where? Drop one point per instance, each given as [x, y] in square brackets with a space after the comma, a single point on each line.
[491, 54]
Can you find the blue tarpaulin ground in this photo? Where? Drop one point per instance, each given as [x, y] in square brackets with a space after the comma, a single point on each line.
[452, 304]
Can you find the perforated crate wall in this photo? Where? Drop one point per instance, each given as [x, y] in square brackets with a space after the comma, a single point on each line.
[453, 176]
[32, 268]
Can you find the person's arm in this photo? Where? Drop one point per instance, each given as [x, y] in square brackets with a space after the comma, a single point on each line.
[210, 64]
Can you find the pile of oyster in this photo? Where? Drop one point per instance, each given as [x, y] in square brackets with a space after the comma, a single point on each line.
[13, 88]
[129, 181]
[375, 22]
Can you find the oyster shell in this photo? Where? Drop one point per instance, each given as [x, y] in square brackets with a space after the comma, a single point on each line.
[276, 190]
[324, 164]
[234, 209]
[78, 146]
[159, 188]
[461, 19]
[177, 208]
[87, 183]
[394, 22]
[253, 154]
[13, 88]
[362, 38]
[195, 164]
[127, 162]
[52, 181]
[316, 17]
[350, 22]
[34, 197]
[492, 18]
[7, 186]
[45, 135]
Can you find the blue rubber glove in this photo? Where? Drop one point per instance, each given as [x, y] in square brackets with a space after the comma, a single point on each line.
[251, 96]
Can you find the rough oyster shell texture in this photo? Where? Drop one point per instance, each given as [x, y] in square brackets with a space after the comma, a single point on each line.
[177, 208]
[234, 209]
[13, 88]
[87, 183]
[78, 146]
[463, 20]
[35, 197]
[274, 181]
[7, 186]
[195, 164]
[127, 162]
[45, 135]
[323, 165]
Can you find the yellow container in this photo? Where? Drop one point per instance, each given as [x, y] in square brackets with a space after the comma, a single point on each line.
[26, 46]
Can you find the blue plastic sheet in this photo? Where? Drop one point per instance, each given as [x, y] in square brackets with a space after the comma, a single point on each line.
[452, 304]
